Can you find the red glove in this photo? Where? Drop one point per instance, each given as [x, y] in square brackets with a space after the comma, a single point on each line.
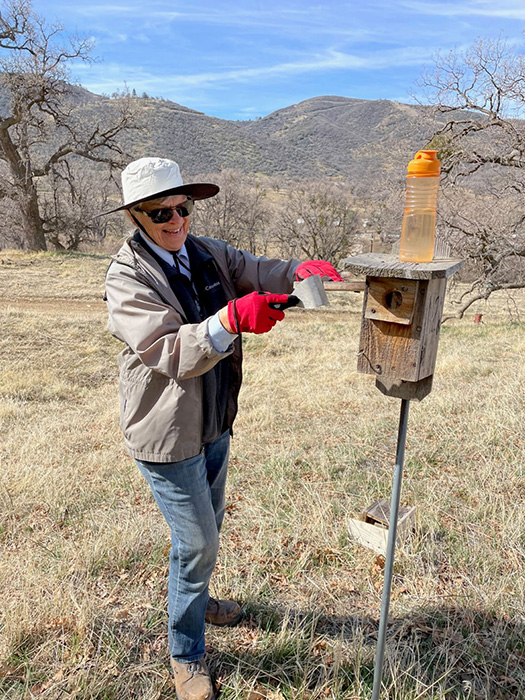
[317, 267]
[253, 313]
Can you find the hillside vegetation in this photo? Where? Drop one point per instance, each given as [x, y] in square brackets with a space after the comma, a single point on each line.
[320, 137]
[84, 550]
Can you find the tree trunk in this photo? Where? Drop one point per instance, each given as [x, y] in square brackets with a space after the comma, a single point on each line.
[25, 193]
[31, 221]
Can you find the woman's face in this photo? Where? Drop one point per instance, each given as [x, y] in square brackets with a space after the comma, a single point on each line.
[170, 235]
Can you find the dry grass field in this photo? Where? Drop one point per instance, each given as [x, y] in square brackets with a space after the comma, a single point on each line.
[83, 549]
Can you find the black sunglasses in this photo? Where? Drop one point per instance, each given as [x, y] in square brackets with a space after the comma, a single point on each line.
[164, 214]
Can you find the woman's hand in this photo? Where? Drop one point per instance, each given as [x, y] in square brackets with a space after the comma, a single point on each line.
[252, 313]
[317, 267]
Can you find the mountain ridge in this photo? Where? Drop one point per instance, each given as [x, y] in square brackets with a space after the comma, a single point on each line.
[326, 136]
[330, 136]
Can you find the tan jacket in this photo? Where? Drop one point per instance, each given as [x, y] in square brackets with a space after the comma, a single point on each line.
[164, 358]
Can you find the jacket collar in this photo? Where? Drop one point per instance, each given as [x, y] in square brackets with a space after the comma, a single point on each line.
[135, 254]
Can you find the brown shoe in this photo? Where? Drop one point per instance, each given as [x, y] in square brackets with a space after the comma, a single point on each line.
[192, 680]
[223, 613]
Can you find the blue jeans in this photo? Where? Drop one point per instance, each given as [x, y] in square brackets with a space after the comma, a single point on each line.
[190, 495]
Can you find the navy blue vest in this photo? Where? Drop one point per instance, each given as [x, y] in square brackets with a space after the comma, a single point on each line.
[200, 298]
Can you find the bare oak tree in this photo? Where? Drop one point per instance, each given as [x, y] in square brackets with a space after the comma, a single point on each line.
[70, 204]
[481, 93]
[237, 214]
[318, 220]
[44, 132]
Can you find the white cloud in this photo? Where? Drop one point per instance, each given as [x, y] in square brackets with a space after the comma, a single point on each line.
[110, 77]
[229, 54]
[287, 21]
[480, 8]
[92, 10]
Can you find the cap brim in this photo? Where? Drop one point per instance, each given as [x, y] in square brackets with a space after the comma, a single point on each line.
[195, 190]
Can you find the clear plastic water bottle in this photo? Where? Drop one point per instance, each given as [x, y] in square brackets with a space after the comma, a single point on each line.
[418, 232]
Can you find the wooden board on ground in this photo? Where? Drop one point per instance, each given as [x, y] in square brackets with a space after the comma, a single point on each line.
[372, 529]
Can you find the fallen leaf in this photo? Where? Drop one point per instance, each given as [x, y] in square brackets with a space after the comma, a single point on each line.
[379, 561]
[508, 679]
[256, 695]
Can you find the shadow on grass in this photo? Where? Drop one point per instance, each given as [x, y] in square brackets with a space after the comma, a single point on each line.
[447, 652]
[282, 653]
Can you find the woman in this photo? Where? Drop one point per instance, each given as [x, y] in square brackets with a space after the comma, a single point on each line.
[180, 304]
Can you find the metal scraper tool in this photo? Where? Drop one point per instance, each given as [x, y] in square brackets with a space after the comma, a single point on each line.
[311, 292]
[308, 293]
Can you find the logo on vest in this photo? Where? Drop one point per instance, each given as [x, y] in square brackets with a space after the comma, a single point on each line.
[209, 287]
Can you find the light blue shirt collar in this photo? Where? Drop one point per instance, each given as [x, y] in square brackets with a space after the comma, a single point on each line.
[167, 256]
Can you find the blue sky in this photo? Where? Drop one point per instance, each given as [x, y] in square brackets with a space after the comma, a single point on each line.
[245, 59]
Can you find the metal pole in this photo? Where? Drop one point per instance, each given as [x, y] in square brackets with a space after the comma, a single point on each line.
[389, 561]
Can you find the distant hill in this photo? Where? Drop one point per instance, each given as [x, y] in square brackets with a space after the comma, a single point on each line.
[321, 137]
[337, 137]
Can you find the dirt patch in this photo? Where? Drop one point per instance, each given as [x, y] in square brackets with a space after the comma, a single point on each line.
[54, 305]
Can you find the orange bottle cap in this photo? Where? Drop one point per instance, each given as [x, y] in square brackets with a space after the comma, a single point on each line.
[425, 163]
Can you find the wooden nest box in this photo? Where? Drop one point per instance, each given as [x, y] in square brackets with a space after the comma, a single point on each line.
[402, 310]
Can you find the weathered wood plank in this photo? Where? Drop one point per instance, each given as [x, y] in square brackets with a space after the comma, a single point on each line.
[383, 265]
[347, 286]
[399, 389]
[392, 349]
[379, 512]
[369, 536]
[375, 536]
[431, 326]
[402, 350]
[391, 299]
